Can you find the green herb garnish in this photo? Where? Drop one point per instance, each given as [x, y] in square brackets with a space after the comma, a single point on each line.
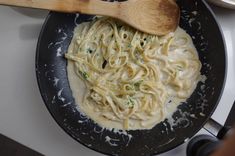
[130, 102]
[137, 84]
[130, 88]
[84, 75]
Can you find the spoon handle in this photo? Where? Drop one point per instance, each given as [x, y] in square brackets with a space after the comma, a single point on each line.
[97, 7]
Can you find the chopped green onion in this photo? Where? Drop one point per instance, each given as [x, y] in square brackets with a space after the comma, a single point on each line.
[130, 88]
[137, 84]
[84, 75]
[130, 102]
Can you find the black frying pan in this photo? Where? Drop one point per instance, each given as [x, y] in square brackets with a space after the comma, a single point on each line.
[198, 20]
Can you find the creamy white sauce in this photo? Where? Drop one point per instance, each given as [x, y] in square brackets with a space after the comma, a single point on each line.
[79, 89]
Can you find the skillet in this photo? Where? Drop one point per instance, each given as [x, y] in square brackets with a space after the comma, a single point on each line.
[198, 20]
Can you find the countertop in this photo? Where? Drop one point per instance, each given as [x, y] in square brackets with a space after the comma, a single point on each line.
[23, 115]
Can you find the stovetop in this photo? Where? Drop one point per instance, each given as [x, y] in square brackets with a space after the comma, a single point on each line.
[23, 116]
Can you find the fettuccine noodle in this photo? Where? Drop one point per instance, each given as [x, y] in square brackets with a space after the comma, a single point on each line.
[122, 78]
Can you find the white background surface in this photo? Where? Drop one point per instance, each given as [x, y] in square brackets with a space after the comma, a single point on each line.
[23, 115]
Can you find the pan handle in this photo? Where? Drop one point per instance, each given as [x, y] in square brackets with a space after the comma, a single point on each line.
[204, 145]
[216, 129]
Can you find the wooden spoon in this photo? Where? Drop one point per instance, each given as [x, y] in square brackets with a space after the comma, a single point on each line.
[151, 16]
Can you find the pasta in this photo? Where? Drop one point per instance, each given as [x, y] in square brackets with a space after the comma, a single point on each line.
[122, 78]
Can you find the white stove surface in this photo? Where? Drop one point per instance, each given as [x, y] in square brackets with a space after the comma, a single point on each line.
[23, 115]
